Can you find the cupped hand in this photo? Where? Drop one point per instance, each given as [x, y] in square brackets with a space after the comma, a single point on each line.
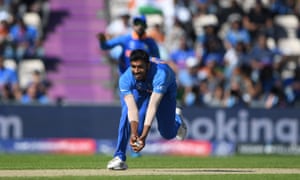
[137, 143]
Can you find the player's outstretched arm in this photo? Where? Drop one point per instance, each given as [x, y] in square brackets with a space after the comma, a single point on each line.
[133, 120]
[152, 108]
[133, 115]
[150, 114]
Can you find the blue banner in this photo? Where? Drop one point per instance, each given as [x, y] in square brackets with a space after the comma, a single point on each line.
[254, 126]
[100, 122]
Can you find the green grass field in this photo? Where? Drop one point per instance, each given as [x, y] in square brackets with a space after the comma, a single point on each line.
[98, 162]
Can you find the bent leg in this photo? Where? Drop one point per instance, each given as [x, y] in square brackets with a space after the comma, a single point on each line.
[167, 119]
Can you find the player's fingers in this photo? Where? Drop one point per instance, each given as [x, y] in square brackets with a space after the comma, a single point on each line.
[138, 146]
[133, 139]
[137, 149]
[131, 142]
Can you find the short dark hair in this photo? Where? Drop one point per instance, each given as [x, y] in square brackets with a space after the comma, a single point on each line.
[139, 54]
[140, 20]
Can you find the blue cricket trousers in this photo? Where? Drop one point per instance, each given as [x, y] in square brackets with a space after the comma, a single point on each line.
[167, 120]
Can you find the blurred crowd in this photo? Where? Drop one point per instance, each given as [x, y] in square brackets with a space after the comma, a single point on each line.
[22, 32]
[227, 55]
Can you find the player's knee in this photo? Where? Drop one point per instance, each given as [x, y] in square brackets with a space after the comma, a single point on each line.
[167, 135]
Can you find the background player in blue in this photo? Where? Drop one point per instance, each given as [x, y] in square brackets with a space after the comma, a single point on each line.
[136, 40]
[148, 90]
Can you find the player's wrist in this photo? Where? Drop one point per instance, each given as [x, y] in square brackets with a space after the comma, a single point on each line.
[146, 130]
[134, 128]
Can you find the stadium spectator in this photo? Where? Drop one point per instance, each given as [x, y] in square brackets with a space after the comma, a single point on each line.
[282, 6]
[41, 83]
[256, 18]
[158, 34]
[40, 8]
[189, 82]
[246, 23]
[296, 85]
[172, 40]
[237, 32]
[231, 61]
[23, 40]
[9, 87]
[180, 55]
[241, 62]
[5, 14]
[234, 8]
[233, 95]
[209, 43]
[262, 60]
[4, 30]
[120, 25]
[217, 97]
[273, 30]
[210, 74]
[33, 96]
[4, 36]
[19, 40]
[36, 91]
[184, 17]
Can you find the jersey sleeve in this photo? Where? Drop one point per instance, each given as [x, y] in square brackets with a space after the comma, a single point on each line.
[160, 81]
[125, 82]
[108, 44]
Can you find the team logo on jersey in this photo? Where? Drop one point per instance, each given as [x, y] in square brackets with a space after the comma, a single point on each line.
[161, 88]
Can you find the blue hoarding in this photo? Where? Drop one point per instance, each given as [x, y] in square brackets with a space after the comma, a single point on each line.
[256, 126]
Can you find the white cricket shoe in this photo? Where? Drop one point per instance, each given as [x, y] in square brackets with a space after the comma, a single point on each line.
[117, 164]
[182, 130]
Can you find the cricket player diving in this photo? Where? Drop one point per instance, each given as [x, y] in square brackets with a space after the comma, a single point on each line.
[148, 89]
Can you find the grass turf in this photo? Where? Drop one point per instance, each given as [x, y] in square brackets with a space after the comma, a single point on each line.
[167, 177]
[43, 161]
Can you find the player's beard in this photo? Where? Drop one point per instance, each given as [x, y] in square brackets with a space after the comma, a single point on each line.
[139, 76]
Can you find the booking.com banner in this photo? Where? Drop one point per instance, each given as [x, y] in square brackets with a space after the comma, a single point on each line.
[241, 126]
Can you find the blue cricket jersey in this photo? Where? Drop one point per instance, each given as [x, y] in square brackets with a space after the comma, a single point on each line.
[129, 43]
[160, 79]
